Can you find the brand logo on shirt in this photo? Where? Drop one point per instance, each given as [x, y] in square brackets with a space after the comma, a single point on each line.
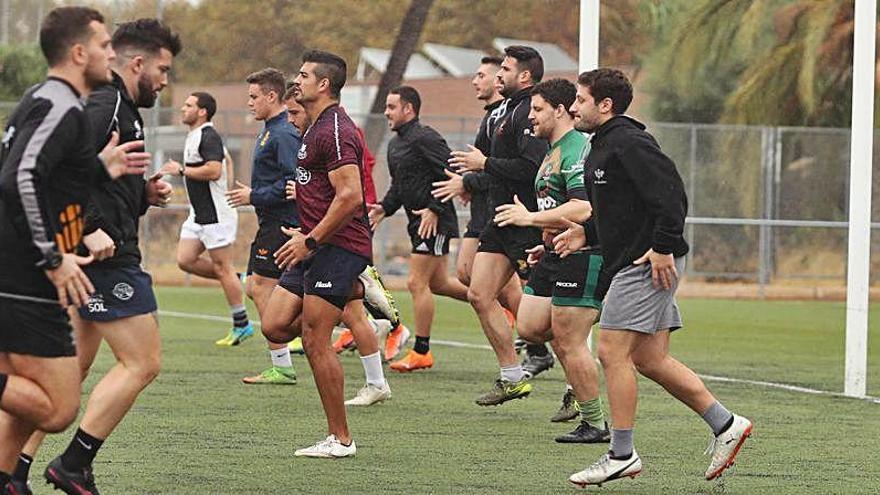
[123, 291]
[138, 131]
[7, 138]
[599, 173]
[567, 285]
[323, 285]
[546, 203]
[303, 176]
[302, 152]
[264, 138]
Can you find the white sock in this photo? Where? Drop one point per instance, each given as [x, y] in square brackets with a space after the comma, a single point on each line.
[281, 357]
[373, 369]
[568, 387]
[512, 373]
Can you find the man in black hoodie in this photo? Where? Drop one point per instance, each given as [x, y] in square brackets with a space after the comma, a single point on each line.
[639, 208]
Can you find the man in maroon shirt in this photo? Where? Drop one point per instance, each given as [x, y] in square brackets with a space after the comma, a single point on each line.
[324, 258]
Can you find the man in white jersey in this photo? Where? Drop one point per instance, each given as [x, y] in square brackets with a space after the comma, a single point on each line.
[212, 223]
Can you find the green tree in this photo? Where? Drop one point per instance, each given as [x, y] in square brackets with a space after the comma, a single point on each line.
[21, 66]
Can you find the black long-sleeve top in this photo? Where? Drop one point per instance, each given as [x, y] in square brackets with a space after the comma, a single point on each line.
[417, 157]
[47, 162]
[477, 183]
[637, 195]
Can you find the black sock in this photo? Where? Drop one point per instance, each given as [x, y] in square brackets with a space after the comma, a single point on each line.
[537, 350]
[239, 319]
[23, 468]
[81, 451]
[422, 346]
[4, 478]
[3, 378]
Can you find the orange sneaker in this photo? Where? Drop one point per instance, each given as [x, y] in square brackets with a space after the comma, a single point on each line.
[395, 341]
[344, 341]
[413, 361]
[511, 318]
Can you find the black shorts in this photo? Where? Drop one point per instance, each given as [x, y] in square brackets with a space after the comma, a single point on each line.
[433, 246]
[576, 280]
[329, 273]
[120, 292]
[481, 212]
[511, 242]
[35, 329]
[269, 239]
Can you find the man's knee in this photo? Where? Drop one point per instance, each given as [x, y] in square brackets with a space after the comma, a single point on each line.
[480, 300]
[59, 417]
[533, 335]
[415, 283]
[184, 264]
[222, 267]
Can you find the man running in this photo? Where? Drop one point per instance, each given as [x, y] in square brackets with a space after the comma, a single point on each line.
[47, 164]
[212, 223]
[417, 157]
[563, 296]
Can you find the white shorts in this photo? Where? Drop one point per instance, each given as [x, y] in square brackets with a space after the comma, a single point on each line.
[212, 235]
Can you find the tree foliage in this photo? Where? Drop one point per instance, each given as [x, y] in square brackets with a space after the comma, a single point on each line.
[21, 66]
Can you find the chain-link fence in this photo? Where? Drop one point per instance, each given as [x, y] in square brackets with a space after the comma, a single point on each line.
[766, 204]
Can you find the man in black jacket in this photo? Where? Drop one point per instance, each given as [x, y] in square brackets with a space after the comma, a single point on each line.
[639, 207]
[512, 164]
[47, 162]
[417, 158]
[122, 310]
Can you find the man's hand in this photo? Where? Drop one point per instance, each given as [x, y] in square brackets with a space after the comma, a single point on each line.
[293, 251]
[240, 196]
[471, 160]
[123, 159]
[290, 190]
[444, 190]
[513, 214]
[535, 254]
[573, 239]
[73, 286]
[428, 227]
[376, 214]
[171, 167]
[663, 270]
[158, 191]
[99, 244]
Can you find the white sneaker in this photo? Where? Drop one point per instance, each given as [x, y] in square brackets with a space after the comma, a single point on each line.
[330, 448]
[607, 469]
[370, 394]
[725, 446]
[377, 299]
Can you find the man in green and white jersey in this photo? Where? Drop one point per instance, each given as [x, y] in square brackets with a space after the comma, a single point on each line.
[563, 296]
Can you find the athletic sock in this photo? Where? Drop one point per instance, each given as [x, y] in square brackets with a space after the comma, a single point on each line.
[81, 451]
[513, 373]
[718, 418]
[537, 350]
[373, 369]
[281, 357]
[239, 316]
[621, 443]
[591, 412]
[569, 388]
[23, 467]
[422, 345]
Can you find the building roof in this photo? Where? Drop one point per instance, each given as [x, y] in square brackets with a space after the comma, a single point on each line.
[455, 60]
[376, 59]
[555, 58]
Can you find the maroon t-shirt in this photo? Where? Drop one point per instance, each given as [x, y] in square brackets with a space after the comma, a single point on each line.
[331, 141]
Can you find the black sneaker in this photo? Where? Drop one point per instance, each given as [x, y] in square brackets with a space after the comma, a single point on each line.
[586, 433]
[535, 365]
[16, 487]
[519, 345]
[70, 482]
[568, 410]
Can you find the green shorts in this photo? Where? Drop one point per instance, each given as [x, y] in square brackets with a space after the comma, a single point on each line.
[576, 280]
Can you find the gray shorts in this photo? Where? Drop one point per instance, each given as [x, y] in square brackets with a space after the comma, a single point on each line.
[632, 302]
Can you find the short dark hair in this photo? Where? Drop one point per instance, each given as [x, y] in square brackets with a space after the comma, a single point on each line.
[408, 94]
[147, 34]
[556, 91]
[329, 66]
[492, 59]
[63, 27]
[527, 59]
[608, 83]
[268, 79]
[206, 101]
[288, 93]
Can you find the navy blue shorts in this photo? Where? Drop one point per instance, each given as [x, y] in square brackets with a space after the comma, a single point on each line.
[120, 292]
[329, 273]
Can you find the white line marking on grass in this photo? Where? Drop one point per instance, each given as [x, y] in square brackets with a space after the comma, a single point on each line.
[466, 345]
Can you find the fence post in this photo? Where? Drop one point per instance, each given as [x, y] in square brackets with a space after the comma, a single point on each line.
[767, 161]
[691, 195]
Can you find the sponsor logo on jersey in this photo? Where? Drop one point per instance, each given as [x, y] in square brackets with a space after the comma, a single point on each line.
[599, 173]
[302, 152]
[138, 131]
[7, 138]
[123, 291]
[567, 285]
[303, 175]
[96, 304]
[323, 285]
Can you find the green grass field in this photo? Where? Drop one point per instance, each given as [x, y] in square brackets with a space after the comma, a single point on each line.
[198, 430]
